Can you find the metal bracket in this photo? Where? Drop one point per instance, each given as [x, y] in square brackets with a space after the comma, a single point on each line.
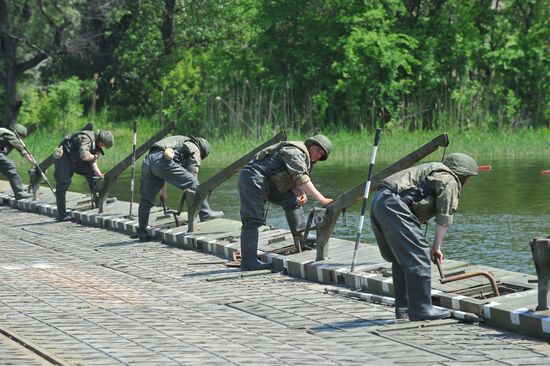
[540, 249]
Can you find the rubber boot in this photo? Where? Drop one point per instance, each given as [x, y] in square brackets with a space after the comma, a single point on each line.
[419, 290]
[297, 223]
[17, 188]
[206, 213]
[400, 291]
[249, 251]
[143, 221]
[61, 202]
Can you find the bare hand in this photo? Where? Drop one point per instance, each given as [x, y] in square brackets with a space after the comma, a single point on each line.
[301, 199]
[163, 195]
[437, 256]
[326, 201]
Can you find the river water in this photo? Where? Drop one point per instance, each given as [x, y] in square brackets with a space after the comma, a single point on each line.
[500, 211]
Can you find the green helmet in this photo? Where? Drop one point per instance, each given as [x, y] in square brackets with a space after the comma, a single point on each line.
[461, 164]
[20, 129]
[203, 145]
[323, 142]
[107, 138]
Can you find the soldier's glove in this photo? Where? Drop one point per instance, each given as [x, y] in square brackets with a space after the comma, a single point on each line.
[169, 154]
[58, 153]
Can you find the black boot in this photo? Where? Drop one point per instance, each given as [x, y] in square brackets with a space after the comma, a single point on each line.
[143, 221]
[206, 213]
[17, 188]
[419, 290]
[62, 214]
[249, 251]
[400, 291]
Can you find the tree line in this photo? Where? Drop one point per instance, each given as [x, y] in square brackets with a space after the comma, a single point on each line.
[241, 65]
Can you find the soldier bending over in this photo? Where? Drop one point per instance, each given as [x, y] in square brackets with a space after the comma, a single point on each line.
[8, 141]
[175, 160]
[278, 174]
[404, 201]
[78, 153]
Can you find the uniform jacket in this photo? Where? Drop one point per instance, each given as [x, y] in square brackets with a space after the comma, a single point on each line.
[80, 146]
[8, 141]
[288, 164]
[430, 189]
[187, 152]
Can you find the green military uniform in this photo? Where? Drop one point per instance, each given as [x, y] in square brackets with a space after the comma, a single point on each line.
[403, 202]
[8, 141]
[79, 153]
[272, 176]
[180, 170]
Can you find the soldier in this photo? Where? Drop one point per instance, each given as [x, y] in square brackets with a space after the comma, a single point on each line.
[8, 141]
[175, 160]
[403, 202]
[78, 153]
[278, 174]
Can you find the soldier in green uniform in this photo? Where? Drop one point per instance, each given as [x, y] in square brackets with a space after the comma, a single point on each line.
[175, 160]
[8, 141]
[278, 174]
[403, 202]
[78, 153]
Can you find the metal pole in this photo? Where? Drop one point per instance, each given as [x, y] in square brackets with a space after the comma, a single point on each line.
[133, 168]
[365, 198]
[34, 162]
[438, 264]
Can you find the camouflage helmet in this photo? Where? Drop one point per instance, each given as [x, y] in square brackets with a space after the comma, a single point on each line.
[461, 164]
[323, 142]
[107, 138]
[203, 145]
[20, 129]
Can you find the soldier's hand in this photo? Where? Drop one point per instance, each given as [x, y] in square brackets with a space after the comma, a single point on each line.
[163, 195]
[437, 256]
[301, 199]
[326, 201]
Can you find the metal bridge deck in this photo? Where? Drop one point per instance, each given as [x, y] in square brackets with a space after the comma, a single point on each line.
[87, 294]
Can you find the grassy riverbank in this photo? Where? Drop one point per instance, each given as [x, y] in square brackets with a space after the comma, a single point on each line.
[349, 147]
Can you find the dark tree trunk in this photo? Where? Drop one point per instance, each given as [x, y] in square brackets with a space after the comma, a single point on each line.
[167, 28]
[8, 75]
[11, 69]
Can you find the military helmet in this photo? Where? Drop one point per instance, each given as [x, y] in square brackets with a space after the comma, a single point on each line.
[107, 138]
[461, 164]
[203, 145]
[20, 129]
[323, 142]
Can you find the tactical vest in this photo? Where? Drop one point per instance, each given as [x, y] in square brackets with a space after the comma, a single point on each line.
[71, 144]
[275, 168]
[413, 187]
[5, 146]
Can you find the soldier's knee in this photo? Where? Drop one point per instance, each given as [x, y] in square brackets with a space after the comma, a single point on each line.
[251, 225]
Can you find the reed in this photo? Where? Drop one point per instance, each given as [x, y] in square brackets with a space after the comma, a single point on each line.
[350, 147]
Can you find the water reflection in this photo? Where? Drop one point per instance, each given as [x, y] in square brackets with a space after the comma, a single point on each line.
[500, 211]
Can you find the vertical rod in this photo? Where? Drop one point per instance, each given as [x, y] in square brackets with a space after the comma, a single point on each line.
[133, 168]
[365, 198]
